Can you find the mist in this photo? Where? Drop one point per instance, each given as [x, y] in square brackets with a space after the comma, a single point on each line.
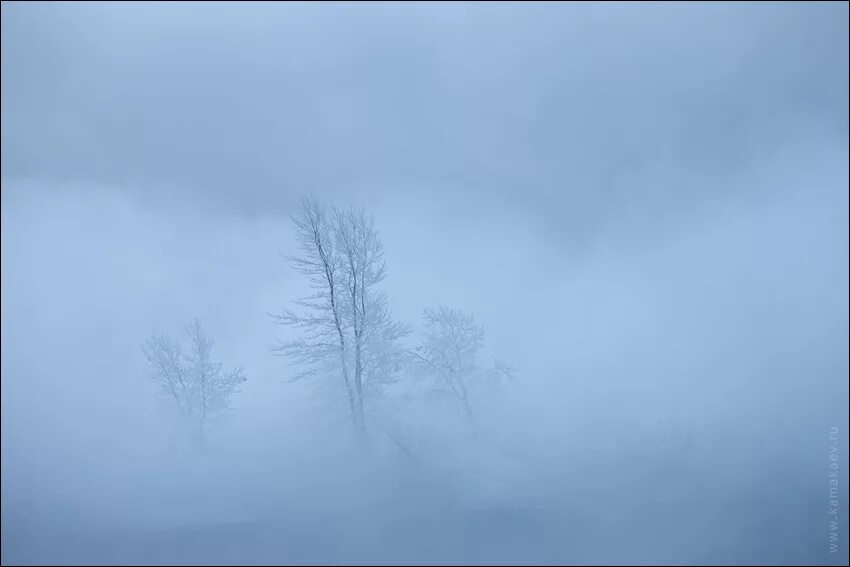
[643, 206]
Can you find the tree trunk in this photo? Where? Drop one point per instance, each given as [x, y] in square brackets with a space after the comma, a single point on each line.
[465, 399]
[358, 381]
[348, 389]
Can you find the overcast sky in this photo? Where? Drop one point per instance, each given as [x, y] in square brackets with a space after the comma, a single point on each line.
[645, 204]
[561, 111]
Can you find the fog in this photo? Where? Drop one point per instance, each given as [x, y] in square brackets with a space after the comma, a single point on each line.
[644, 206]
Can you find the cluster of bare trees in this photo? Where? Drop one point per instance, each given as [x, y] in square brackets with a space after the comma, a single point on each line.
[346, 326]
[345, 331]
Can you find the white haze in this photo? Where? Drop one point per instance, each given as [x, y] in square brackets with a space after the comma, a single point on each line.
[660, 250]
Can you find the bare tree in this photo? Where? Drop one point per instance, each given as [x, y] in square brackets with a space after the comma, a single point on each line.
[374, 332]
[199, 386]
[449, 351]
[346, 327]
[322, 345]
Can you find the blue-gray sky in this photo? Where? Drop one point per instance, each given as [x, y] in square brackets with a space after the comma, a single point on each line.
[534, 104]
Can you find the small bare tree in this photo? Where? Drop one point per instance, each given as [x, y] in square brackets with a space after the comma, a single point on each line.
[199, 386]
[449, 352]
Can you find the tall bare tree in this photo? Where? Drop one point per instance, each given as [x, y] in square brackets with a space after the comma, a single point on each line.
[346, 325]
[373, 330]
[322, 345]
[199, 386]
